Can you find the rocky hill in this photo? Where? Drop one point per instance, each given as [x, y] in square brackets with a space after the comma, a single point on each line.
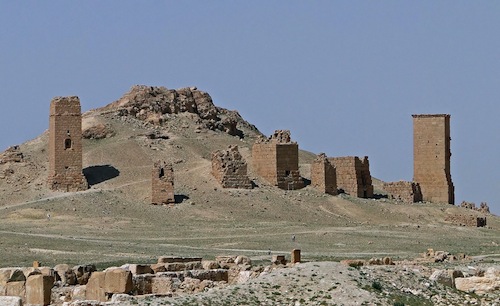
[113, 222]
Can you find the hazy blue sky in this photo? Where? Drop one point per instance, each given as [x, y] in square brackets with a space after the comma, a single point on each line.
[343, 76]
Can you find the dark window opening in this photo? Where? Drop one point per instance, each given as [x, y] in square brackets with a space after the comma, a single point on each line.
[67, 144]
[162, 172]
[287, 172]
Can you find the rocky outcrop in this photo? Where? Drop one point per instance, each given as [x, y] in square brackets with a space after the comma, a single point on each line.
[98, 131]
[154, 105]
[490, 282]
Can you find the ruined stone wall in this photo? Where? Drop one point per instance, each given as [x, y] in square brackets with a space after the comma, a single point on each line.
[466, 220]
[276, 159]
[162, 183]
[431, 157]
[407, 192]
[65, 145]
[323, 175]
[229, 168]
[353, 175]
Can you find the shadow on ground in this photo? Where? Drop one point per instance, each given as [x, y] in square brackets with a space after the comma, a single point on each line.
[99, 174]
[179, 198]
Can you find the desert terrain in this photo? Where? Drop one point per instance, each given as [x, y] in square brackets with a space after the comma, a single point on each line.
[113, 223]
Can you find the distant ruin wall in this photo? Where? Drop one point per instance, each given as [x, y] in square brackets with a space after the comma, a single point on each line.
[276, 159]
[65, 145]
[431, 157]
[162, 183]
[353, 175]
[406, 192]
[323, 175]
[466, 220]
[229, 168]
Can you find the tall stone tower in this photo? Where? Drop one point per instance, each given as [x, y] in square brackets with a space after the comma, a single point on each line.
[65, 145]
[162, 183]
[431, 157]
[276, 159]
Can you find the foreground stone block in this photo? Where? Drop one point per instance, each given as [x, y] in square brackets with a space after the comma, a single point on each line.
[38, 289]
[161, 285]
[10, 301]
[16, 289]
[142, 284]
[95, 287]
[478, 285]
[118, 281]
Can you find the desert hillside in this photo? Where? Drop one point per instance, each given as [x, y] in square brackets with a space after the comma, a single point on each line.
[114, 222]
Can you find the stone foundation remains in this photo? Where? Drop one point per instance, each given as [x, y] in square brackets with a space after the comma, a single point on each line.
[466, 220]
[276, 159]
[162, 183]
[65, 145]
[406, 192]
[483, 208]
[431, 157]
[229, 168]
[323, 175]
[353, 175]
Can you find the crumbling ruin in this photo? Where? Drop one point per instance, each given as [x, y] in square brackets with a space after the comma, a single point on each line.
[431, 157]
[353, 175]
[229, 168]
[162, 183]
[323, 175]
[483, 208]
[276, 159]
[466, 220]
[406, 192]
[65, 145]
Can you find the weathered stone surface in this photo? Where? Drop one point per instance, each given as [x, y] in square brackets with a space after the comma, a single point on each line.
[142, 284]
[431, 157]
[210, 264]
[95, 287]
[79, 292]
[478, 285]
[466, 220]
[243, 260]
[11, 301]
[16, 289]
[11, 155]
[406, 192]
[65, 145]
[353, 175]
[443, 277]
[324, 175]
[138, 269]
[118, 281]
[98, 131]
[229, 168]
[83, 272]
[155, 104]
[38, 289]
[161, 285]
[162, 183]
[276, 159]
[65, 274]
[213, 275]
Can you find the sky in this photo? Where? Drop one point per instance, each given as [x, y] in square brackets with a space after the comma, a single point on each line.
[343, 76]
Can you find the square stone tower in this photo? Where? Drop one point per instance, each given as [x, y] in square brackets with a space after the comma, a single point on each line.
[65, 145]
[353, 175]
[431, 157]
[230, 169]
[276, 159]
[324, 175]
[162, 184]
